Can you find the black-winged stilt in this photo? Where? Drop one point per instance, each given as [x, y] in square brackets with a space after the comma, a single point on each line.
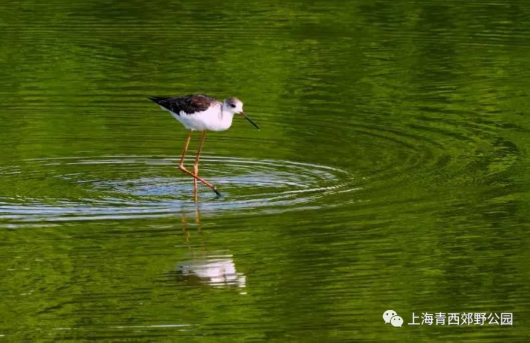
[199, 112]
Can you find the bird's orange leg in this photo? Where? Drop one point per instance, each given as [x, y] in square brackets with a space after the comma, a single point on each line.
[196, 165]
[181, 166]
[188, 139]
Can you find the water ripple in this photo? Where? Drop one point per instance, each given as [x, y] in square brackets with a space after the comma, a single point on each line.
[124, 187]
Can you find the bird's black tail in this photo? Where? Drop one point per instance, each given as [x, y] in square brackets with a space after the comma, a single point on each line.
[155, 99]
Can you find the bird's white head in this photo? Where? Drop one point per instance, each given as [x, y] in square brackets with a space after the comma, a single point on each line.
[235, 106]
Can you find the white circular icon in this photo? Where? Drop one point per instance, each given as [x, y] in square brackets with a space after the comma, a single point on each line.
[396, 321]
[387, 316]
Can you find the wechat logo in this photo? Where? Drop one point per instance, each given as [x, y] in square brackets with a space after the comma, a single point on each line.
[391, 317]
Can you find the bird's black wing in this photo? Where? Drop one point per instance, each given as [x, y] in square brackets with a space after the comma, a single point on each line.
[188, 104]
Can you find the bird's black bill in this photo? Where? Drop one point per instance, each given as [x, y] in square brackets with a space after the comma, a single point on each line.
[250, 120]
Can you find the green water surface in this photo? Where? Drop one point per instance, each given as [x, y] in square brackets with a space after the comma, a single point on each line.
[390, 171]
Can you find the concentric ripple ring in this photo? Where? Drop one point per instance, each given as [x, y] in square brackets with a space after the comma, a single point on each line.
[122, 187]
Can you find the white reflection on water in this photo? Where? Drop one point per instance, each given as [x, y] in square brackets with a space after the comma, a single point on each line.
[215, 270]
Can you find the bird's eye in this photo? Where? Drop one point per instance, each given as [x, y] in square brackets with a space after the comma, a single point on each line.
[232, 105]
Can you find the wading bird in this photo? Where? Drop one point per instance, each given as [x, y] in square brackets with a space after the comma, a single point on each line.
[199, 112]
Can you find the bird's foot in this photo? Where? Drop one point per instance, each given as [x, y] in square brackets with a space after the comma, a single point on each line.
[201, 180]
[216, 191]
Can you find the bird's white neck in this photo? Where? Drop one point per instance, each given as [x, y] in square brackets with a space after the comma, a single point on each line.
[224, 121]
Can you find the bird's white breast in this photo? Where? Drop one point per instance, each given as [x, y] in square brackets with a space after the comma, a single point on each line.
[213, 119]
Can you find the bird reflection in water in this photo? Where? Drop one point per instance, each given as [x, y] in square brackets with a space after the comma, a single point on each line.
[203, 267]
